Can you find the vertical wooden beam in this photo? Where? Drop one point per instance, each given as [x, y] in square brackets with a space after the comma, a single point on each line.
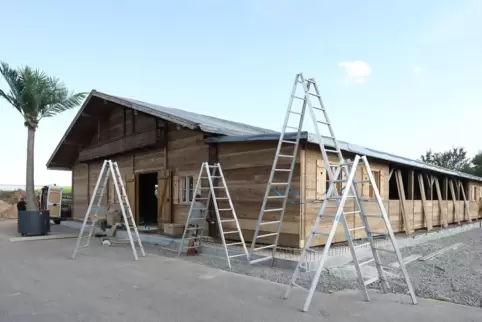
[98, 131]
[443, 212]
[452, 193]
[466, 202]
[124, 121]
[403, 203]
[411, 185]
[301, 228]
[427, 216]
[213, 157]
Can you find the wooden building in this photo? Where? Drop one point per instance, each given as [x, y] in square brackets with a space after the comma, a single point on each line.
[156, 145]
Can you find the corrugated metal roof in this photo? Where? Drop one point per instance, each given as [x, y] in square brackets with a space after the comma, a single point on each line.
[237, 132]
[345, 146]
[191, 120]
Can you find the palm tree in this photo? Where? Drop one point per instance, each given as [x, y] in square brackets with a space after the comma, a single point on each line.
[35, 96]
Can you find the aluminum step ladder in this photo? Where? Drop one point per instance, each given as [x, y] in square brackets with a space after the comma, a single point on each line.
[351, 191]
[218, 194]
[108, 169]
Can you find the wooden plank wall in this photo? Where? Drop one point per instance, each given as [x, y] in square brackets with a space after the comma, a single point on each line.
[246, 167]
[315, 185]
[185, 153]
[313, 166]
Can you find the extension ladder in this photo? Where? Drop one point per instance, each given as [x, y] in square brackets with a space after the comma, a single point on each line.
[351, 185]
[194, 225]
[109, 168]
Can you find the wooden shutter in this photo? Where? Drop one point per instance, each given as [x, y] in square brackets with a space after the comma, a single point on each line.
[164, 214]
[320, 180]
[365, 190]
[175, 190]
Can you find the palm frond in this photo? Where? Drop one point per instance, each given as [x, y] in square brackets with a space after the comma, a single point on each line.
[15, 84]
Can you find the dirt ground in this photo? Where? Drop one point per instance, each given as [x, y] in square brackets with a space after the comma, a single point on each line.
[455, 276]
[39, 282]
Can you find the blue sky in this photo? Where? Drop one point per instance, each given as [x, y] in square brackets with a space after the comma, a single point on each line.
[400, 77]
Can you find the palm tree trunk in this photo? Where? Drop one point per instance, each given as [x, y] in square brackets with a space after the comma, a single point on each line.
[31, 204]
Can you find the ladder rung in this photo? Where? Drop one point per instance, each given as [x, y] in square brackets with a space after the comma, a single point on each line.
[320, 233]
[231, 232]
[366, 262]
[293, 112]
[300, 98]
[276, 197]
[292, 127]
[371, 280]
[228, 220]
[237, 243]
[273, 210]
[207, 188]
[211, 177]
[238, 255]
[313, 94]
[339, 197]
[351, 212]
[270, 222]
[361, 245]
[279, 183]
[318, 108]
[264, 247]
[385, 250]
[291, 142]
[331, 151]
[223, 198]
[285, 156]
[224, 209]
[262, 259]
[321, 122]
[356, 228]
[267, 235]
[282, 170]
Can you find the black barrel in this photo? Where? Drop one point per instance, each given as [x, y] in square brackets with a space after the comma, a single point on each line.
[34, 222]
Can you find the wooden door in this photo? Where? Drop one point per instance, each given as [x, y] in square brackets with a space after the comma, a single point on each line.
[164, 198]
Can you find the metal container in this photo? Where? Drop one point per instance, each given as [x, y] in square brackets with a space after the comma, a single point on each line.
[33, 222]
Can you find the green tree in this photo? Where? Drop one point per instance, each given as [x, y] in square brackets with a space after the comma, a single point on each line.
[454, 159]
[35, 95]
[476, 166]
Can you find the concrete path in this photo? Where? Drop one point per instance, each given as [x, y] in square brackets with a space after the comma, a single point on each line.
[39, 282]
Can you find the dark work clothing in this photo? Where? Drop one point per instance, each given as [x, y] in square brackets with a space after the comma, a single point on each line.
[21, 206]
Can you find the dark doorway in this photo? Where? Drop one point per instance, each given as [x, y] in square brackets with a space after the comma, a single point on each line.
[147, 199]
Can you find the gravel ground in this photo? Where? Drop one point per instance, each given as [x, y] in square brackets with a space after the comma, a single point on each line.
[455, 276]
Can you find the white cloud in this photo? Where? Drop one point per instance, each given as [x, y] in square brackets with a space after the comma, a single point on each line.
[417, 70]
[357, 71]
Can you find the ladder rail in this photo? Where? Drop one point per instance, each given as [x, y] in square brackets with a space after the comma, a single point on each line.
[121, 204]
[390, 232]
[208, 203]
[235, 217]
[339, 214]
[273, 168]
[89, 208]
[127, 205]
[186, 228]
[310, 238]
[218, 217]
[290, 178]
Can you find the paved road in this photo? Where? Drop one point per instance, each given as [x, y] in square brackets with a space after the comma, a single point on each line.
[39, 282]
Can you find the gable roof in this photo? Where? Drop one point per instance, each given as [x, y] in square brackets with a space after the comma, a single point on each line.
[187, 119]
[239, 132]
